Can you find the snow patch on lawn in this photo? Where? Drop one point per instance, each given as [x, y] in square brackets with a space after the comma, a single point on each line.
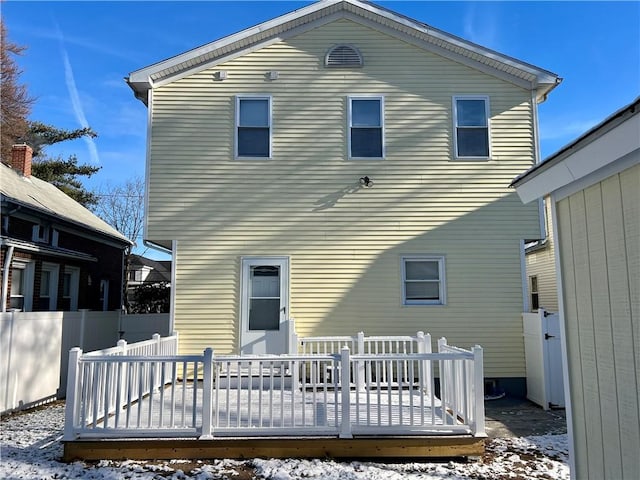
[30, 448]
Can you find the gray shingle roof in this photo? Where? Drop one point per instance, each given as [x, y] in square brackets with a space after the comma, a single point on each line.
[44, 197]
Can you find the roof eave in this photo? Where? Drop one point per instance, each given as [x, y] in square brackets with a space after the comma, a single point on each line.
[141, 81]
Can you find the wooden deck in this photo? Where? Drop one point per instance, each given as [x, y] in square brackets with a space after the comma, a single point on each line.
[274, 447]
[372, 405]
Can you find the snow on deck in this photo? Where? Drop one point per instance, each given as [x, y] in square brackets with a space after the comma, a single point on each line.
[279, 411]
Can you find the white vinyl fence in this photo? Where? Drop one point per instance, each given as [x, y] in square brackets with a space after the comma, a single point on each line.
[118, 394]
[34, 348]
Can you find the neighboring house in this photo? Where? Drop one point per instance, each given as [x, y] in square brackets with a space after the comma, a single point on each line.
[56, 254]
[541, 267]
[146, 272]
[594, 188]
[347, 166]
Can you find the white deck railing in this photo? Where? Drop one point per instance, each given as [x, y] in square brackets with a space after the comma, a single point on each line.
[117, 394]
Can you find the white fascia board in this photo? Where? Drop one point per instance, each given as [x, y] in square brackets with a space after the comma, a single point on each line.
[615, 144]
[143, 75]
[530, 76]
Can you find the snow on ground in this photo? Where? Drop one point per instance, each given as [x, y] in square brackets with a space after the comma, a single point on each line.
[30, 448]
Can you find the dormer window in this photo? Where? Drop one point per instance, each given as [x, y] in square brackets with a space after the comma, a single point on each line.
[343, 56]
[40, 234]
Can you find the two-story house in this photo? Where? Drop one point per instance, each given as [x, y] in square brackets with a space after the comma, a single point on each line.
[347, 166]
[56, 254]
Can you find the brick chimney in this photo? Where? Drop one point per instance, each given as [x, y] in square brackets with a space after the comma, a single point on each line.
[21, 159]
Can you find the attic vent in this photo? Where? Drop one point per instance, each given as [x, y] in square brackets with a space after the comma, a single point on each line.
[343, 56]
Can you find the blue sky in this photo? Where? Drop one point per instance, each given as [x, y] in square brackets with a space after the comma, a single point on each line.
[78, 54]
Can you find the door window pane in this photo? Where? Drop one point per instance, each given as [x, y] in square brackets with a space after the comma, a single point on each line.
[17, 288]
[45, 282]
[264, 302]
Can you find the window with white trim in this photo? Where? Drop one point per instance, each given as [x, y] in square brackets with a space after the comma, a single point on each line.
[71, 286]
[423, 280]
[21, 293]
[471, 126]
[253, 126]
[366, 126]
[49, 286]
[40, 233]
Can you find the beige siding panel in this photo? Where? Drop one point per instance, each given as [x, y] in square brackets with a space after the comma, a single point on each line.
[603, 337]
[600, 231]
[572, 327]
[622, 216]
[542, 264]
[345, 242]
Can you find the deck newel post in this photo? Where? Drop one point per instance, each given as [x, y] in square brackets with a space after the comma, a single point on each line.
[444, 390]
[423, 364]
[345, 376]
[122, 345]
[207, 392]
[293, 337]
[360, 371]
[158, 343]
[478, 389]
[73, 391]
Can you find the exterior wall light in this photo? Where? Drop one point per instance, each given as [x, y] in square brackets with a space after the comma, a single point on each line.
[220, 75]
[366, 182]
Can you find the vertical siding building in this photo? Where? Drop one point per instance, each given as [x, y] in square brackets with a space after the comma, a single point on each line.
[347, 166]
[594, 188]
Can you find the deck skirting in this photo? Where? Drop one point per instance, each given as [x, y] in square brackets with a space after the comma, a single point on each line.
[304, 447]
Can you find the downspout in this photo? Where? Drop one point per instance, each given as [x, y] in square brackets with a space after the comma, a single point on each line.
[542, 214]
[5, 276]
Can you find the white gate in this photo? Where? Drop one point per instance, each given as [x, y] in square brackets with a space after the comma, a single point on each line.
[543, 356]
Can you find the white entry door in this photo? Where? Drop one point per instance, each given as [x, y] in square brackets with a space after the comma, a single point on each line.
[264, 288]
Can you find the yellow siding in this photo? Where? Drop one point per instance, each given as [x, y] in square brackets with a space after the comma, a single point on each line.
[542, 264]
[600, 255]
[345, 242]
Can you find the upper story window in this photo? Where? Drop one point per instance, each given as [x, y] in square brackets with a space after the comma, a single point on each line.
[366, 126]
[253, 126]
[40, 234]
[423, 281]
[343, 56]
[471, 125]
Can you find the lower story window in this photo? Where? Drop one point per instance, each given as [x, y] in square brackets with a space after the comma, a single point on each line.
[535, 301]
[423, 281]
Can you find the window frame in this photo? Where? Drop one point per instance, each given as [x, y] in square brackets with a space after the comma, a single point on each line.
[442, 287]
[28, 269]
[238, 99]
[487, 111]
[54, 271]
[350, 99]
[534, 293]
[74, 287]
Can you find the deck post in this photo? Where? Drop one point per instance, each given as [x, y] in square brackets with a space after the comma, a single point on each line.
[292, 336]
[345, 379]
[478, 389]
[444, 383]
[73, 390]
[122, 345]
[207, 393]
[360, 370]
[158, 346]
